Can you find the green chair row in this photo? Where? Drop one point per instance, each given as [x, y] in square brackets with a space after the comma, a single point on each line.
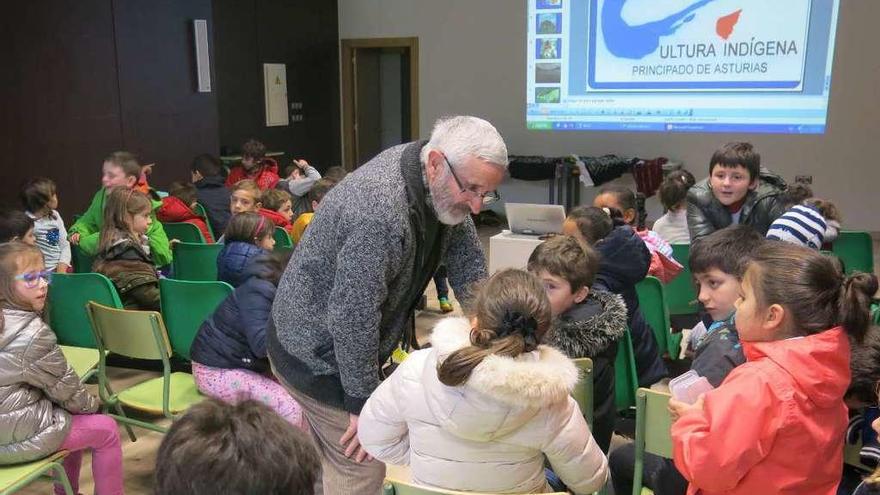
[626, 381]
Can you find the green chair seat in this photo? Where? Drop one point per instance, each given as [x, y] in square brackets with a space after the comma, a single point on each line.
[183, 232]
[651, 410]
[83, 360]
[282, 239]
[147, 396]
[81, 262]
[195, 261]
[398, 487]
[16, 476]
[185, 305]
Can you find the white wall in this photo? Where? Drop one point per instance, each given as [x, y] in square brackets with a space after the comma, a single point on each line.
[472, 61]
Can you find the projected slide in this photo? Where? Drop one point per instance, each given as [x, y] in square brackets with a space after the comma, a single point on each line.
[680, 65]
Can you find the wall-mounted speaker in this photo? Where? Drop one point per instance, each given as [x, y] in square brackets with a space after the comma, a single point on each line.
[203, 63]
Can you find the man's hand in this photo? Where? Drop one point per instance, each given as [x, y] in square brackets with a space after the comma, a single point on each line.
[351, 442]
[677, 408]
[74, 238]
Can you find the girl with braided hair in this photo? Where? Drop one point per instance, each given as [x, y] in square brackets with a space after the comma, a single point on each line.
[482, 408]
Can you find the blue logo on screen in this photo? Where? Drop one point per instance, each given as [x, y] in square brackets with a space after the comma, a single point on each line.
[636, 42]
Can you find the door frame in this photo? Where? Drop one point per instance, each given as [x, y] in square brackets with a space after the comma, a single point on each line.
[349, 48]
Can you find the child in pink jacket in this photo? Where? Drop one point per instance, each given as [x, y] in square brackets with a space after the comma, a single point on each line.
[777, 423]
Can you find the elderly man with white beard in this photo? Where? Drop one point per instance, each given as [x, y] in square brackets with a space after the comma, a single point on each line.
[345, 300]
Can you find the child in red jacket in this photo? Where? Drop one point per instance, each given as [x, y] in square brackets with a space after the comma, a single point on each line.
[179, 206]
[277, 206]
[255, 166]
[777, 423]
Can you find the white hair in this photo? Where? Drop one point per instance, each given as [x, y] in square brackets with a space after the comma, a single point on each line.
[464, 136]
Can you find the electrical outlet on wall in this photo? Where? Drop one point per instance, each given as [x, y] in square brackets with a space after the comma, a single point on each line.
[803, 179]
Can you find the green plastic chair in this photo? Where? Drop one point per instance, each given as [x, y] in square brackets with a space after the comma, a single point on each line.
[68, 295]
[583, 391]
[651, 410]
[202, 212]
[681, 296]
[81, 262]
[83, 360]
[183, 232]
[140, 335]
[652, 302]
[856, 250]
[398, 487]
[282, 239]
[185, 305]
[626, 381]
[16, 476]
[195, 261]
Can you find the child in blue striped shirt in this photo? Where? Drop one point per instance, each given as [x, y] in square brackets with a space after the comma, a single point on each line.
[39, 197]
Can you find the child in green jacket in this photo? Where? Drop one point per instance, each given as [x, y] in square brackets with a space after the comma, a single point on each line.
[121, 168]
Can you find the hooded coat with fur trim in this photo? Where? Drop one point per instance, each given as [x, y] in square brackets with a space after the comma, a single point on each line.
[592, 329]
[490, 434]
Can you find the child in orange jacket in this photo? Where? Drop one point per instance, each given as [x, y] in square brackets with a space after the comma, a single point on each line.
[777, 423]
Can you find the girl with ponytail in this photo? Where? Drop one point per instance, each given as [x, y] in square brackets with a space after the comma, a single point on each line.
[777, 423]
[484, 405]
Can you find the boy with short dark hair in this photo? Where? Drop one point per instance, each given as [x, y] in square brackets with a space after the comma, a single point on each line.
[218, 448]
[587, 323]
[718, 263]
[255, 165]
[737, 191]
[211, 191]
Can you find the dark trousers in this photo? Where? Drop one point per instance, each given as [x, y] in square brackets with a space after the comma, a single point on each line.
[658, 473]
[440, 282]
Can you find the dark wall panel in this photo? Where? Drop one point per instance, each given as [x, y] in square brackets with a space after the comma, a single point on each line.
[302, 35]
[164, 118]
[59, 96]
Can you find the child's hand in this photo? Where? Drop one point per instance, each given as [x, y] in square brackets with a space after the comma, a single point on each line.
[677, 408]
[74, 238]
[173, 241]
[63, 268]
[302, 164]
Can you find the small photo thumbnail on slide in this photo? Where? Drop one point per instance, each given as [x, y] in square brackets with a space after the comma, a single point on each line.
[548, 48]
[547, 95]
[549, 23]
[548, 73]
[549, 4]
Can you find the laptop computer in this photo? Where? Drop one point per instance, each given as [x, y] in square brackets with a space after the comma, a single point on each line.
[534, 219]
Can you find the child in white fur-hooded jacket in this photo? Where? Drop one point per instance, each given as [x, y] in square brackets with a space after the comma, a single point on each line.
[481, 408]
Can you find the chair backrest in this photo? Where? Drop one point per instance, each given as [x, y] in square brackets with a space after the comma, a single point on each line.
[183, 231]
[680, 291]
[855, 250]
[626, 381]
[651, 410]
[282, 239]
[202, 212]
[81, 262]
[195, 261]
[583, 392]
[397, 487]
[68, 295]
[185, 305]
[653, 302]
[130, 333]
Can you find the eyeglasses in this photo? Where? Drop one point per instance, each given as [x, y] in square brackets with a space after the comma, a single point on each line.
[32, 279]
[487, 197]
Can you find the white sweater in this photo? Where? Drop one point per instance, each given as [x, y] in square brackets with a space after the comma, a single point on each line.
[490, 434]
[52, 239]
[673, 227]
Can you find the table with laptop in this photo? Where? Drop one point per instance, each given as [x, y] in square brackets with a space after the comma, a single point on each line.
[529, 225]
